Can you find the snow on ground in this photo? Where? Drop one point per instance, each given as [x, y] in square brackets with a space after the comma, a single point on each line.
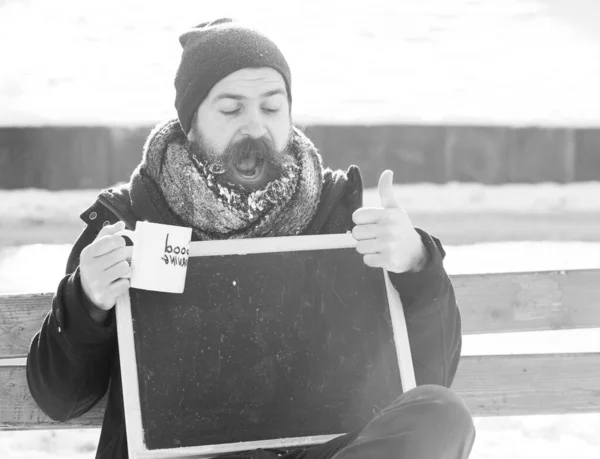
[516, 437]
[429, 61]
[49, 444]
[475, 198]
[43, 206]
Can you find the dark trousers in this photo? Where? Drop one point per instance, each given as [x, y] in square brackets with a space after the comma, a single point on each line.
[428, 422]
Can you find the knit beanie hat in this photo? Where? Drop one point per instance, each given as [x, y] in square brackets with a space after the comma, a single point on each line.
[215, 49]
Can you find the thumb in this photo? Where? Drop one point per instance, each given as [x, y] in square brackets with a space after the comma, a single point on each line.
[386, 190]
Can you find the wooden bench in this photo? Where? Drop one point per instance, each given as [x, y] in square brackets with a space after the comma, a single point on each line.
[491, 385]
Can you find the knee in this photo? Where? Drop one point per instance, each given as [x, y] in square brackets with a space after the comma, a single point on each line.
[427, 421]
[440, 405]
[432, 392]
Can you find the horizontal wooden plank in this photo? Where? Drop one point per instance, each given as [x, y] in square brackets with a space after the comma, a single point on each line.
[490, 386]
[553, 300]
[530, 384]
[18, 410]
[21, 317]
[489, 303]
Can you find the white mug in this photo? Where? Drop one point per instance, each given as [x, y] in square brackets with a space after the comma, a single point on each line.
[160, 256]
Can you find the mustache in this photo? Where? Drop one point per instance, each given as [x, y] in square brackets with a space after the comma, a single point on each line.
[260, 149]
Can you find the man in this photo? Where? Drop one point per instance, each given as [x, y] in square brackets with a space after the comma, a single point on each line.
[233, 166]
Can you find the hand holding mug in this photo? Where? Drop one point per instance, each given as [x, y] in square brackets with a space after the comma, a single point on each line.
[104, 268]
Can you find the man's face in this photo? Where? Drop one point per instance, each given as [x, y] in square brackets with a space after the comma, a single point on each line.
[243, 128]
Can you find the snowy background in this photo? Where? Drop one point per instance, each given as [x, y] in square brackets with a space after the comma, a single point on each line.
[502, 62]
[443, 61]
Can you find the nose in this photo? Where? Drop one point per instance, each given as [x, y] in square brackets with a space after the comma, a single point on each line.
[254, 125]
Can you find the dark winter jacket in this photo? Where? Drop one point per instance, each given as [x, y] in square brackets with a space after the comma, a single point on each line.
[73, 361]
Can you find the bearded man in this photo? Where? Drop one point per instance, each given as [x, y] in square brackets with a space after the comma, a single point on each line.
[232, 165]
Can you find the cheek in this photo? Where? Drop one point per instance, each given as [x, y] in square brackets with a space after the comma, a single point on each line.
[280, 131]
[217, 137]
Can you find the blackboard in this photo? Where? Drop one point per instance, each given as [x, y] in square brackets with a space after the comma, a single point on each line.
[261, 347]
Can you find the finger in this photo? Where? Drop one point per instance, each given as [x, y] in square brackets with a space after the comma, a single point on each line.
[367, 215]
[386, 190]
[105, 245]
[108, 260]
[116, 272]
[118, 288]
[111, 229]
[112, 292]
[367, 246]
[367, 231]
[374, 260]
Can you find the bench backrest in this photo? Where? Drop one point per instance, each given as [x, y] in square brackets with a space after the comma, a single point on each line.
[513, 384]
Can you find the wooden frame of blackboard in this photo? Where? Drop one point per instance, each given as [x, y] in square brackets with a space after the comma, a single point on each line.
[131, 397]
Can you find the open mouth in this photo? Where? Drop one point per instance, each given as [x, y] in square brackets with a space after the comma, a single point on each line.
[250, 169]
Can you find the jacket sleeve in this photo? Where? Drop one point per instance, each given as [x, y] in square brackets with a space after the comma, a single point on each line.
[432, 317]
[69, 360]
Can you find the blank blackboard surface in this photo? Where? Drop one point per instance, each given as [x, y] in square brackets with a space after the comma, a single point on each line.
[264, 346]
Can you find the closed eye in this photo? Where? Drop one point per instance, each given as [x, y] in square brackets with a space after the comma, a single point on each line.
[231, 112]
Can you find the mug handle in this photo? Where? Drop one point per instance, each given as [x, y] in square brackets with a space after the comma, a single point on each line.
[130, 234]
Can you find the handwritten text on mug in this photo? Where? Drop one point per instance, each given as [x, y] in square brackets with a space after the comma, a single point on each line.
[176, 256]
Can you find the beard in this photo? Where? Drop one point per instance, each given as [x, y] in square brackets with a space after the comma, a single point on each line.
[247, 165]
[250, 176]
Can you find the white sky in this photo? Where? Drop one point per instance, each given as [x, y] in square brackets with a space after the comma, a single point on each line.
[451, 61]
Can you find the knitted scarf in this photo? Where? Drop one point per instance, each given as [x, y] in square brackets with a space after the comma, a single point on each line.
[196, 199]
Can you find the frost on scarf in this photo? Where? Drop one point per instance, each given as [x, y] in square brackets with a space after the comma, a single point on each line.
[252, 204]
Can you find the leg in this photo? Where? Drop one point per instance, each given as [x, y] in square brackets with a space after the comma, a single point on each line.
[428, 422]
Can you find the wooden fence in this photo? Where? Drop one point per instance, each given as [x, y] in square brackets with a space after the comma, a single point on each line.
[97, 157]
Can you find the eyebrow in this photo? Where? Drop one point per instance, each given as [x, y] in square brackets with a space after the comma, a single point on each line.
[229, 95]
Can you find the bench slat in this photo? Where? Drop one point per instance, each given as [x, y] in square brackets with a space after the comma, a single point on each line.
[21, 317]
[489, 303]
[519, 302]
[490, 385]
[18, 410]
[515, 385]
